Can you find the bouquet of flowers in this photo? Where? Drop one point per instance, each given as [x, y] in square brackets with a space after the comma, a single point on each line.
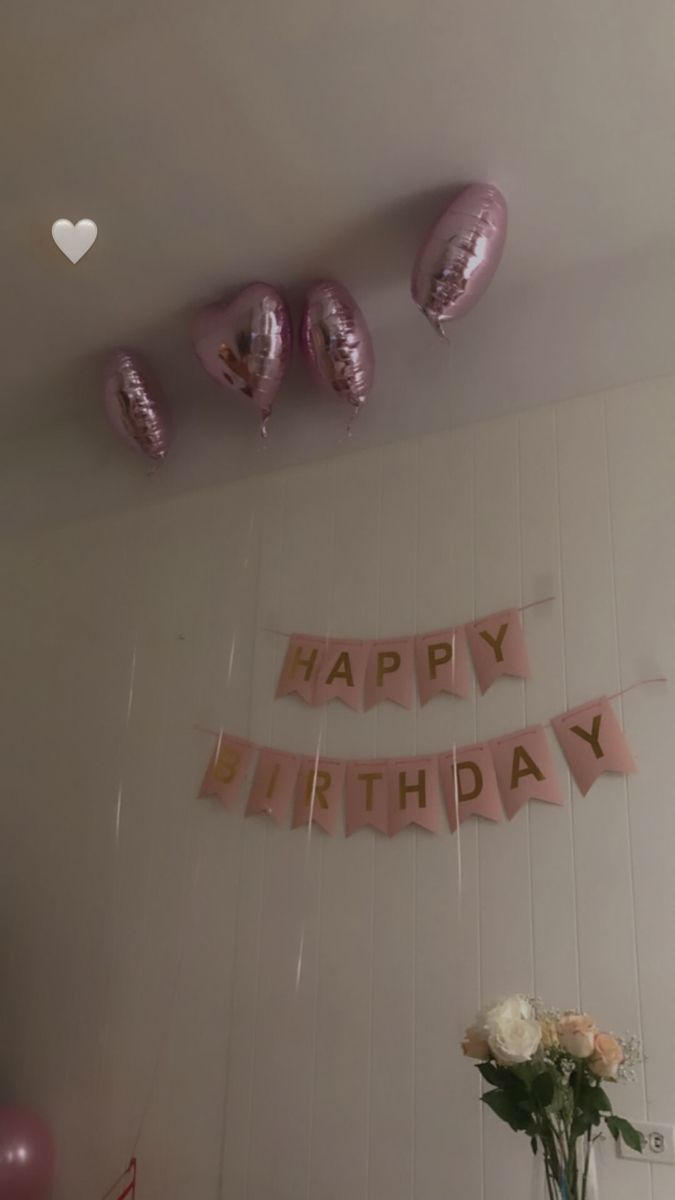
[547, 1070]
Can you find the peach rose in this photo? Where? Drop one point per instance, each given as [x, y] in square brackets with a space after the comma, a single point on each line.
[607, 1056]
[474, 1044]
[576, 1034]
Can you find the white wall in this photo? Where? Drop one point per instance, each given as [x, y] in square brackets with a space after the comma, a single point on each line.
[150, 941]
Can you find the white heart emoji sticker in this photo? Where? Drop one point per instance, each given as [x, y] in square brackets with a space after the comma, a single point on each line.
[74, 240]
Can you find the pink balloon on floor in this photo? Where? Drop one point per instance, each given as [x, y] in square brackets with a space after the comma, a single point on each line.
[27, 1156]
[460, 254]
[134, 405]
[336, 342]
[245, 344]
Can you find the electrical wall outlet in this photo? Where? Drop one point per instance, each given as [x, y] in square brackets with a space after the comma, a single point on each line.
[658, 1143]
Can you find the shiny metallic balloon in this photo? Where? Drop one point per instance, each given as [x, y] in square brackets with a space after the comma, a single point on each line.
[134, 405]
[460, 254]
[246, 344]
[27, 1155]
[336, 342]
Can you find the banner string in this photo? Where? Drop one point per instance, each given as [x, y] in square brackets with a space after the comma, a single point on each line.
[404, 636]
[546, 725]
[640, 683]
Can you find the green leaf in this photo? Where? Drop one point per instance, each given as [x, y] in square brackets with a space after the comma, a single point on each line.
[533, 1143]
[620, 1128]
[491, 1073]
[504, 1107]
[543, 1088]
[581, 1125]
[596, 1100]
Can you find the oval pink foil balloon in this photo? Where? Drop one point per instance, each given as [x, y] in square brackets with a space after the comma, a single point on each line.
[460, 254]
[246, 344]
[27, 1156]
[336, 342]
[134, 405]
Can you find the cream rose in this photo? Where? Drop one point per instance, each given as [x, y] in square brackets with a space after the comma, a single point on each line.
[576, 1034]
[607, 1056]
[549, 1032]
[474, 1044]
[512, 1030]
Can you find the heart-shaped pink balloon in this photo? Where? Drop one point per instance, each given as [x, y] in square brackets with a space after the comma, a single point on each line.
[245, 344]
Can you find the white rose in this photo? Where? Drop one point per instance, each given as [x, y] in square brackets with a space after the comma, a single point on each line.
[512, 1030]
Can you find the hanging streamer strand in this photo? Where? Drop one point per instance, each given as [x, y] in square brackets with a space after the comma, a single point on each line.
[129, 1190]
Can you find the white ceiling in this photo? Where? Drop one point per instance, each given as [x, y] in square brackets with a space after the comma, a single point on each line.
[216, 142]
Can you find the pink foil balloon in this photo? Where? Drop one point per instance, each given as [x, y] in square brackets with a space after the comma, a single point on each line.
[27, 1156]
[134, 405]
[460, 254]
[246, 344]
[336, 342]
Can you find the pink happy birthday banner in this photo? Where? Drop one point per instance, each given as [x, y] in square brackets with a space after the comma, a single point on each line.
[492, 779]
[363, 673]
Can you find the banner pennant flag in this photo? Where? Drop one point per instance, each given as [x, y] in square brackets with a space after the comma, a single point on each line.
[389, 674]
[498, 647]
[367, 795]
[273, 784]
[414, 794]
[301, 667]
[470, 784]
[525, 769]
[593, 742]
[318, 793]
[442, 661]
[342, 673]
[227, 769]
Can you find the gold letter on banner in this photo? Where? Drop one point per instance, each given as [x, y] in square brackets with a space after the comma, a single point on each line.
[226, 764]
[367, 796]
[463, 796]
[306, 663]
[436, 659]
[369, 778]
[227, 768]
[496, 642]
[406, 789]
[323, 780]
[418, 802]
[530, 768]
[342, 669]
[387, 656]
[316, 785]
[593, 738]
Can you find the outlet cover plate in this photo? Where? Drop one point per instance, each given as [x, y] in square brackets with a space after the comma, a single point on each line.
[658, 1143]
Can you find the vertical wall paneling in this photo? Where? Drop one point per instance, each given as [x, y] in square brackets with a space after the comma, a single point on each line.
[342, 1067]
[266, 1012]
[556, 975]
[506, 902]
[238, 1138]
[604, 900]
[642, 486]
[283, 1083]
[392, 1108]
[446, 935]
